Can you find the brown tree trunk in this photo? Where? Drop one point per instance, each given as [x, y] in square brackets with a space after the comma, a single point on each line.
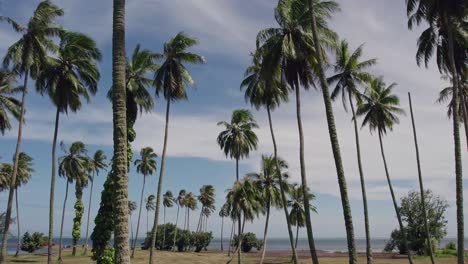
[61, 225]
[89, 213]
[139, 217]
[222, 227]
[266, 230]
[239, 242]
[18, 243]
[175, 231]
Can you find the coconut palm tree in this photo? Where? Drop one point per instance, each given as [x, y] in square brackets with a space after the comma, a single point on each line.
[238, 138]
[26, 56]
[146, 165]
[8, 104]
[149, 207]
[72, 166]
[296, 203]
[191, 205]
[268, 184]
[171, 81]
[268, 92]
[179, 201]
[96, 164]
[380, 109]
[207, 200]
[350, 75]
[446, 31]
[223, 212]
[132, 206]
[168, 201]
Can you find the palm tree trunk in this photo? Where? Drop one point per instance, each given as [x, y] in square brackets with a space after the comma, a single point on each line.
[421, 186]
[61, 225]
[237, 169]
[363, 184]
[310, 234]
[465, 118]
[266, 230]
[283, 195]
[297, 236]
[395, 205]
[206, 223]
[89, 213]
[457, 149]
[334, 143]
[222, 227]
[147, 220]
[164, 230]
[230, 238]
[139, 216]
[200, 225]
[52, 188]
[120, 163]
[160, 182]
[3, 252]
[188, 219]
[239, 238]
[175, 231]
[131, 231]
[18, 244]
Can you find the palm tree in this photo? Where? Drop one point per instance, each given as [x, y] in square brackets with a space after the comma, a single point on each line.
[380, 109]
[190, 203]
[179, 201]
[238, 138]
[96, 164]
[168, 201]
[171, 80]
[72, 166]
[27, 55]
[8, 104]
[269, 93]
[445, 34]
[268, 184]
[223, 212]
[146, 166]
[132, 206]
[149, 207]
[207, 200]
[296, 203]
[71, 74]
[350, 74]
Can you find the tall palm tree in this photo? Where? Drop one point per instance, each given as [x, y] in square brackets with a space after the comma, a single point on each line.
[380, 110]
[207, 200]
[179, 201]
[132, 206]
[146, 166]
[223, 212]
[350, 75]
[96, 164]
[171, 80]
[168, 201]
[296, 203]
[445, 21]
[268, 184]
[72, 166]
[238, 138]
[27, 55]
[191, 204]
[268, 91]
[149, 207]
[66, 77]
[8, 104]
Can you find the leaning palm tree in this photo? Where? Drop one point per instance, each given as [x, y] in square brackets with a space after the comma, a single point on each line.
[446, 33]
[168, 201]
[27, 55]
[380, 110]
[8, 104]
[72, 166]
[350, 75]
[268, 184]
[238, 138]
[146, 165]
[96, 164]
[223, 212]
[207, 200]
[179, 201]
[171, 80]
[296, 203]
[67, 77]
[149, 207]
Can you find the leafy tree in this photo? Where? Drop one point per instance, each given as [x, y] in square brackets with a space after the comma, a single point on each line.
[207, 200]
[179, 201]
[190, 202]
[150, 206]
[249, 241]
[171, 80]
[31, 243]
[8, 103]
[27, 56]
[168, 201]
[297, 214]
[223, 212]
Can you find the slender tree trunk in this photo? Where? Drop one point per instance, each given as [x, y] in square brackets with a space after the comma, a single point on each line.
[188, 219]
[222, 227]
[230, 238]
[239, 242]
[3, 253]
[200, 225]
[147, 220]
[18, 244]
[266, 230]
[164, 230]
[206, 223]
[395, 205]
[237, 169]
[89, 213]
[465, 118]
[280, 177]
[131, 231]
[139, 217]
[305, 191]
[334, 143]
[160, 182]
[175, 231]
[297, 236]
[363, 185]
[61, 225]
[421, 186]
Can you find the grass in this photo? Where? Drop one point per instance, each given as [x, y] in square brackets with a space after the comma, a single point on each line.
[211, 258]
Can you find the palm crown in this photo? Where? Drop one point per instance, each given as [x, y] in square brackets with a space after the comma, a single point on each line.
[168, 199]
[8, 104]
[73, 165]
[147, 164]
[297, 214]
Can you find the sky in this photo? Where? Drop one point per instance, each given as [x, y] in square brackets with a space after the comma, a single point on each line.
[227, 31]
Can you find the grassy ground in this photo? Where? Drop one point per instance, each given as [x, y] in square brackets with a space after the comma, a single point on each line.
[210, 258]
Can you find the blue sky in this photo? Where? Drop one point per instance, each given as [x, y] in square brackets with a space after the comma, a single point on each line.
[227, 31]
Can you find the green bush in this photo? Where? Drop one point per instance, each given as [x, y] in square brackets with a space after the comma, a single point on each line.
[451, 246]
[31, 243]
[107, 256]
[249, 241]
[201, 240]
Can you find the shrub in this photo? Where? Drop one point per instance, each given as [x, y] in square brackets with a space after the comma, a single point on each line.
[249, 241]
[33, 242]
[451, 246]
[107, 256]
[185, 239]
[201, 240]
